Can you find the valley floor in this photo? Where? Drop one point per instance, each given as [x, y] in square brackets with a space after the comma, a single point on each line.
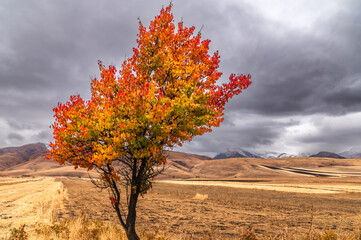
[200, 209]
[196, 209]
[28, 201]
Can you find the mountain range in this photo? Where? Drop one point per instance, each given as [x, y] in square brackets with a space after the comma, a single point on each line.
[327, 155]
[29, 160]
[352, 153]
[240, 153]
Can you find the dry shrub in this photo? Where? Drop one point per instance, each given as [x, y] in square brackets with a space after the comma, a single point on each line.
[157, 234]
[332, 235]
[248, 234]
[200, 196]
[48, 209]
[18, 234]
[84, 229]
[329, 235]
[78, 229]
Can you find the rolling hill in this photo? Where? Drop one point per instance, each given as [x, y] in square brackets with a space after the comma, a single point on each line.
[12, 156]
[29, 160]
[352, 153]
[327, 155]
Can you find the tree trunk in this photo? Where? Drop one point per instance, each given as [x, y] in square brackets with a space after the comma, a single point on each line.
[131, 234]
[129, 226]
[132, 215]
[130, 231]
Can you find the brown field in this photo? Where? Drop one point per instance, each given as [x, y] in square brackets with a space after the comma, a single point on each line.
[28, 201]
[198, 210]
[196, 197]
[195, 208]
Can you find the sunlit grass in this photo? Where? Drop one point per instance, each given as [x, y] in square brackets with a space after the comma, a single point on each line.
[83, 228]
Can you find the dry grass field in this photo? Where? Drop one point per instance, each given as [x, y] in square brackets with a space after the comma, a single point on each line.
[28, 201]
[196, 211]
[206, 199]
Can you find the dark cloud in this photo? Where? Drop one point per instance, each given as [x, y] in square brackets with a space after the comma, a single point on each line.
[49, 51]
[241, 131]
[294, 72]
[15, 136]
[300, 88]
[330, 132]
[301, 68]
[345, 99]
[43, 136]
[23, 124]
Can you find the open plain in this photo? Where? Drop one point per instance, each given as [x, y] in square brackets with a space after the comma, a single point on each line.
[29, 201]
[198, 210]
[195, 209]
[195, 198]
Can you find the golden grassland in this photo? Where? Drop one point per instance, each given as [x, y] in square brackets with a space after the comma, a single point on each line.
[28, 201]
[72, 208]
[84, 229]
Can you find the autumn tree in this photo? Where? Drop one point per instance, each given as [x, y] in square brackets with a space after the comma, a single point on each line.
[162, 96]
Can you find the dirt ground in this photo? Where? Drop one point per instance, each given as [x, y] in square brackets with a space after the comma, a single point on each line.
[197, 210]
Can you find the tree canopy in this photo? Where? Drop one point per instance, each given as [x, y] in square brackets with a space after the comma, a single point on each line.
[162, 96]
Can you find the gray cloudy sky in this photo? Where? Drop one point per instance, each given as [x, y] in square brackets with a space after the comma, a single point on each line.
[304, 58]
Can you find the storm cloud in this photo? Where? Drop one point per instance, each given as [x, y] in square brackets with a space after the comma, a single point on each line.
[303, 57]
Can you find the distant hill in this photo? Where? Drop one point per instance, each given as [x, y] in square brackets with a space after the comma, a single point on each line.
[255, 168]
[229, 155]
[29, 160]
[352, 153]
[237, 154]
[181, 165]
[12, 156]
[251, 154]
[327, 155]
[276, 155]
